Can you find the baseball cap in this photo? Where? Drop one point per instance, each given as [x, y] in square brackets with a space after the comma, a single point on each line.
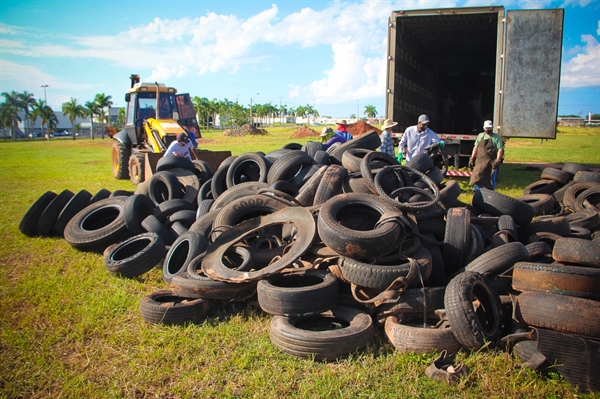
[423, 119]
[183, 137]
[488, 124]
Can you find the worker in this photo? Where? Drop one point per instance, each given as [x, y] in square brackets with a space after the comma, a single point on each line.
[182, 147]
[416, 138]
[326, 134]
[486, 158]
[387, 144]
[341, 135]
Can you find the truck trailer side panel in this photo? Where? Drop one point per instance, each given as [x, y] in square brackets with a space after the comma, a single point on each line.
[532, 73]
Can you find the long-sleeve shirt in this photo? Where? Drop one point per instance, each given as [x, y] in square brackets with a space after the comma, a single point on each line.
[416, 141]
[387, 144]
[338, 137]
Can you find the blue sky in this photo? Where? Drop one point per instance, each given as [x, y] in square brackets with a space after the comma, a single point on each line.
[330, 54]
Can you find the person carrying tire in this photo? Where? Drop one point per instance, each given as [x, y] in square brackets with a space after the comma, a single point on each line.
[416, 138]
[341, 135]
[182, 147]
[486, 158]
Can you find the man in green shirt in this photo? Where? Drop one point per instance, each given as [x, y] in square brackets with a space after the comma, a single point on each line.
[486, 158]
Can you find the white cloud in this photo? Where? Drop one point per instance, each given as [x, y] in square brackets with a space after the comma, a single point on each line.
[23, 76]
[583, 70]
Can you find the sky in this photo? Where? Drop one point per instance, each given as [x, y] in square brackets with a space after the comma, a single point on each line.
[327, 54]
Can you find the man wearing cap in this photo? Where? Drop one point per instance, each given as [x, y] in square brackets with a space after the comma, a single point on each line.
[486, 158]
[416, 138]
[341, 135]
[326, 134]
[387, 144]
[182, 147]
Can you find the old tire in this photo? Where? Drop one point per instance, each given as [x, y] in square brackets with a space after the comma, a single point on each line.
[164, 186]
[500, 204]
[298, 293]
[79, 201]
[560, 313]
[185, 248]
[28, 224]
[473, 327]
[414, 337]
[48, 218]
[327, 336]
[166, 307]
[136, 255]
[137, 172]
[136, 209]
[578, 251]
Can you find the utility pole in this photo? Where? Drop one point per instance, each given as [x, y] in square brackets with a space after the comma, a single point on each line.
[357, 108]
[45, 103]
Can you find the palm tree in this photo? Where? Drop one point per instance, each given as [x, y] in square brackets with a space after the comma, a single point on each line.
[72, 110]
[92, 109]
[48, 116]
[10, 110]
[104, 101]
[27, 100]
[121, 117]
[370, 111]
[37, 112]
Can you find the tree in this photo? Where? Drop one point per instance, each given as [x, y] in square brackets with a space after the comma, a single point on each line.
[92, 109]
[26, 100]
[37, 112]
[104, 101]
[352, 116]
[370, 111]
[121, 118]
[10, 111]
[202, 108]
[48, 116]
[72, 110]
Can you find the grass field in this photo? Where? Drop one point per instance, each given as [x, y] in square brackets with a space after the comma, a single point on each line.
[70, 330]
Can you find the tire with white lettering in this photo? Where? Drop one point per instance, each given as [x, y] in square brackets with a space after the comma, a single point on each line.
[330, 335]
[167, 307]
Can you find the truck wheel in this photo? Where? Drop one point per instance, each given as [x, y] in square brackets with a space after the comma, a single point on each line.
[120, 160]
[137, 173]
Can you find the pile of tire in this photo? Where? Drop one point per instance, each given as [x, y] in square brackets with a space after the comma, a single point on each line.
[333, 245]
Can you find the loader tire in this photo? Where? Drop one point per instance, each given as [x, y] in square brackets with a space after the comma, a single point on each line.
[137, 173]
[120, 160]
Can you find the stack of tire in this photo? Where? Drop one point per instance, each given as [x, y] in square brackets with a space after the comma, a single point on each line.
[383, 244]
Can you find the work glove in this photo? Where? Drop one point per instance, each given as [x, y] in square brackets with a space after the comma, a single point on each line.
[400, 158]
[441, 144]
[495, 164]
[471, 163]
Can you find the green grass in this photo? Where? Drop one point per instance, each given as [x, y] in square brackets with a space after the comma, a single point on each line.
[68, 329]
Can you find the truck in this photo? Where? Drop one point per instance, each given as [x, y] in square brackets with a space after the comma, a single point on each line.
[461, 66]
[155, 115]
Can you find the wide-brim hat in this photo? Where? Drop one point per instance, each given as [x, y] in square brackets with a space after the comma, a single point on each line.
[341, 122]
[326, 131]
[387, 124]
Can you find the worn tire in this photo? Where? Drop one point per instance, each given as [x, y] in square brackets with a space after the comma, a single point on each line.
[288, 166]
[28, 224]
[330, 184]
[247, 167]
[566, 314]
[499, 259]
[456, 239]
[472, 327]
[79, 201]
[137, 171]
[298, 293]
[349, 330]
[48, 218]
[164, 186]
[136, 209]
[166, 307]
[557, 175]
[555, 278]
[414, 337]
[348, 224]
[577, 250]
[185, 248]
[500, 204]
[98, 225]
[136, 255]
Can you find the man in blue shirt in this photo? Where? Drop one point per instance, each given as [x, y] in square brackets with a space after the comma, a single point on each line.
[416, 138]
[341, 135]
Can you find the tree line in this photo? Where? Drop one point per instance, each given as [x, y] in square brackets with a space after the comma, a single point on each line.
[231, 114]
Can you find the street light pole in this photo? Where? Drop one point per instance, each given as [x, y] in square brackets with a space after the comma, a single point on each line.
[45, 103]
[357, 107]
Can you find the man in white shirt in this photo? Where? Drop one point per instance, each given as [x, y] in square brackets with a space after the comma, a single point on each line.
[182, 147]
[416, 138]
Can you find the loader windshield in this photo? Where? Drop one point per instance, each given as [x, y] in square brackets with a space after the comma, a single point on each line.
[147, 106]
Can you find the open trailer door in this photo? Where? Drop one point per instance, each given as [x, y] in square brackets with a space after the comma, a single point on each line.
[532, 57]
[187, 115]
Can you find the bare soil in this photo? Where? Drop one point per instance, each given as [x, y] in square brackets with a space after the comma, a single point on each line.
[305, 132]
[360, 127]
[245, 130]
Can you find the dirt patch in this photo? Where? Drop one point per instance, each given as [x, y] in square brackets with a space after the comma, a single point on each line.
[360, 127]
[245, 130]
[305, 132]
